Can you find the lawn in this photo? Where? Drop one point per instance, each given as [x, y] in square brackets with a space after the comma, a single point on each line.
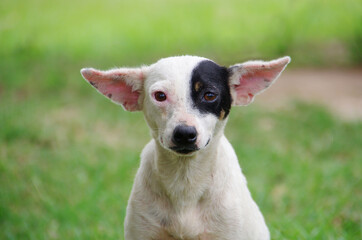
[68, 156]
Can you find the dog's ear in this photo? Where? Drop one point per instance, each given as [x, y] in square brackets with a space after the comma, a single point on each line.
[123, 85]
[251, 78]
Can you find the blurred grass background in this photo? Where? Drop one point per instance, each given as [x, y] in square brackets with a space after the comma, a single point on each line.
[68, 156]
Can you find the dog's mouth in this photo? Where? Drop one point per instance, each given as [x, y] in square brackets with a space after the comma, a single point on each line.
[185, 149]
[188, 149]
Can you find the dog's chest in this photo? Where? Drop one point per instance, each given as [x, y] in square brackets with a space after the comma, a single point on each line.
[188, 224]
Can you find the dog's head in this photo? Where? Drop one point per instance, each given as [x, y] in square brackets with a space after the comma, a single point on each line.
[185, 99]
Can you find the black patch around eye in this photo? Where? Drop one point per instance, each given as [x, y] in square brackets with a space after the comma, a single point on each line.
[207, 76]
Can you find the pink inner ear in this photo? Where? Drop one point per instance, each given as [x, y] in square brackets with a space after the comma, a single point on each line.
[255, 77]
[255, 81]
[120, 92]
[113, 85]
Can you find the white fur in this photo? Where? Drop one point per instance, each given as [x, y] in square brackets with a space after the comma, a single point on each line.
[202, 197]
[199, 196]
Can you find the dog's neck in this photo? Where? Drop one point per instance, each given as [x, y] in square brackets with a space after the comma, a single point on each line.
[184, 179]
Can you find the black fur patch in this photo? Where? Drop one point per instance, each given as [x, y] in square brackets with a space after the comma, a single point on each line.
[210, 77]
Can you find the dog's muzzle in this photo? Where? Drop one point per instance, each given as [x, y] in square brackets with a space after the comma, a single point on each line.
[184, 137]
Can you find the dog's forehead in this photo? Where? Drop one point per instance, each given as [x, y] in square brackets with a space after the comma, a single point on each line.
[173, 69]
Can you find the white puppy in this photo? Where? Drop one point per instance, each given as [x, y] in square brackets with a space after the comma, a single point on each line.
[189, 184]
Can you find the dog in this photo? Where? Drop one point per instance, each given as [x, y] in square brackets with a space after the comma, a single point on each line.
[189, 185]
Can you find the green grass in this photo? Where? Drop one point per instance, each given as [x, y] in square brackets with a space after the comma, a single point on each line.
[68, 156]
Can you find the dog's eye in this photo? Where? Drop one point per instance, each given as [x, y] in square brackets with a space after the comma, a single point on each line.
[160, 96]
[209, 96]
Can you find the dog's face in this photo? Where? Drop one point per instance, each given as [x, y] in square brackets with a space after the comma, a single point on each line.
[186, 99]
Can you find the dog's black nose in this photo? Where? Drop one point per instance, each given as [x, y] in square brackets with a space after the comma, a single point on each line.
[184, 135]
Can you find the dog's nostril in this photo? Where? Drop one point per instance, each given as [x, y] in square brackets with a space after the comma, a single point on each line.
[192, 136]
[184, 135]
